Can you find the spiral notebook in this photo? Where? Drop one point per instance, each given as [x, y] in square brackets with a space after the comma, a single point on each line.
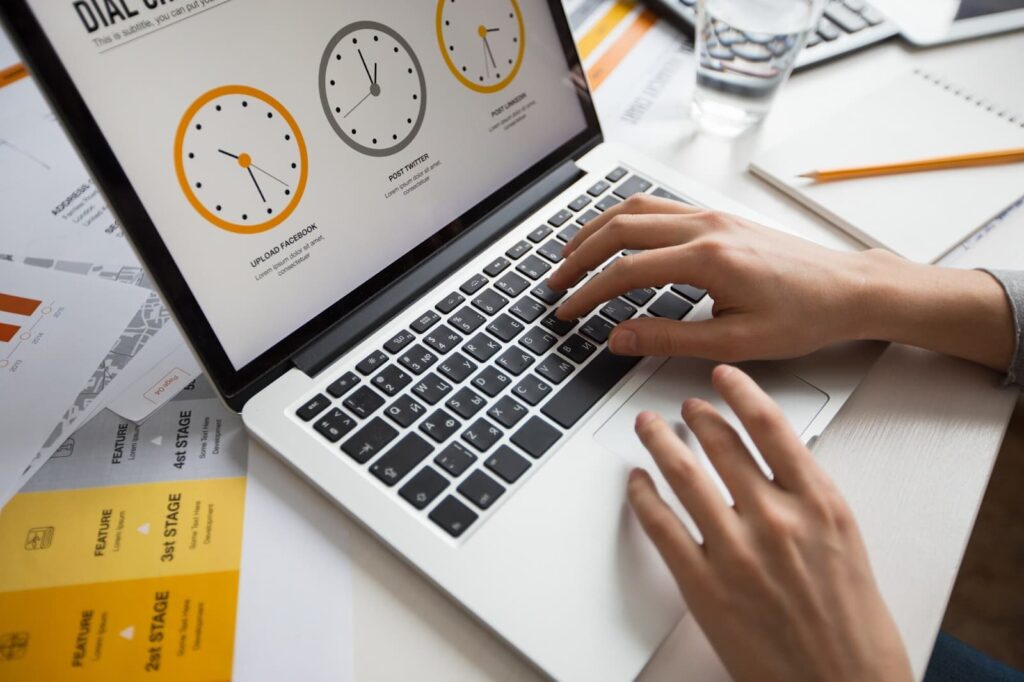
[920, 114]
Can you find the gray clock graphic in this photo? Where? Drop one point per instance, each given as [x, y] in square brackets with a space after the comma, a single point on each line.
[372, 88]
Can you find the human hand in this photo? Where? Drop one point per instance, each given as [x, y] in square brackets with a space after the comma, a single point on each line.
[781, 585]
[775, 295]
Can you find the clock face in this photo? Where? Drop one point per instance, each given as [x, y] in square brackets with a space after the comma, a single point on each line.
[372, 88]
[240, 159]
[482, 41]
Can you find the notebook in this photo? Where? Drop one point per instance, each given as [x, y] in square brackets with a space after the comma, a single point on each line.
[919, 114]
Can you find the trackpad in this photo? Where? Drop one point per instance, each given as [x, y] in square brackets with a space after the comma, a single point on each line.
[682, 378]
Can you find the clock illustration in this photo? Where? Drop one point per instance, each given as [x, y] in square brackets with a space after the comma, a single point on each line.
[372, 88]
[241, 159]
[482, 41]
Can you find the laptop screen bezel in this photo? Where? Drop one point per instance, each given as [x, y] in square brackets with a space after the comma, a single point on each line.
[236, 385]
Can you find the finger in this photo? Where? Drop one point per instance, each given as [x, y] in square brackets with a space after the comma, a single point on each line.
[792, 465]
[624, 232]
[645, 269]
[726, 451]
[686, 476]
[677, 548]
[635, 205]
[721, 338]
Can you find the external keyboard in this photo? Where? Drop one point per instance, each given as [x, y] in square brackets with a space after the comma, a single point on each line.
[453, 410]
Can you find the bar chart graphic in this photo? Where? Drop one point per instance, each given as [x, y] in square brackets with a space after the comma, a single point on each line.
[19, 306]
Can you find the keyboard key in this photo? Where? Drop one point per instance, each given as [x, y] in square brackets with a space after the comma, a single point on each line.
[490, 301]
[585, 389]
[443, 339]
[536, 437]
[458, 367]
[518, 250]
[507, 412]
[555, 369]
[640, 296]
[687, 291]
[587, 217]
[532, 390]
[417, 359]
[393, 465]
[425, 321]
[481, 489]
[481, 434]
[466, 320]
[665, 194]
[849, 21]
[512, 284]
[391, 380]
[343, 384]
[827, 30]
[496, 266]
[527, 309]
[369, 440]
[598, 188]
[559, 327]
[568, 232]
[455, 459]
[334, 425]
[473, 285]
[606, 203]
[579, 203]
[509, 465]
[466, 402]
[423, 487]
[634, 185]
[533, 267]
[363, 401]
[618, 310]
[313, 407]
[596, 329]
[538, 341]
[576, 348]
[440, 426]
[453, 516]
[432, 388]
[551, 250]
[371, 363]
[670, 306]
[616, 174]
[491, 381]
[539, 234]
[404, 411]
[515, 361]
[546, 294]
[482, 347]
[450, 302]
[560, 218]
[399, 341]
[505, 327]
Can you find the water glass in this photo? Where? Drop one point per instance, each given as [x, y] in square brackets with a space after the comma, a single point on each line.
[745, 51]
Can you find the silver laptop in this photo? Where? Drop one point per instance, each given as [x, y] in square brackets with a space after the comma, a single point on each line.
[352, 209]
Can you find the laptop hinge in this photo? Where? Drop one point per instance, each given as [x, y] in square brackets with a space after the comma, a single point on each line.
[351, 329]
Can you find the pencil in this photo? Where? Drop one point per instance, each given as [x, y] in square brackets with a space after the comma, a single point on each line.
[937, 163]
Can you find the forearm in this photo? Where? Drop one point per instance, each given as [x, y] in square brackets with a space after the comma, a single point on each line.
[963, 313]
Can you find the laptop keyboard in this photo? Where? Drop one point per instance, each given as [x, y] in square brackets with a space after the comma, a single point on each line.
[454, 410]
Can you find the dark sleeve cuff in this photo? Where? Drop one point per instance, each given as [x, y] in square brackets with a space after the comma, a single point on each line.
[1012, 282]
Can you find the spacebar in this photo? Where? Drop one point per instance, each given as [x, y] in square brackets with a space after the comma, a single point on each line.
[586, 388]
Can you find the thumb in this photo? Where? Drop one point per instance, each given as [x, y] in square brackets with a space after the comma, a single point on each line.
[714, 339]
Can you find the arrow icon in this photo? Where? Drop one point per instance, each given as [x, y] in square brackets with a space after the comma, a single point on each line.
[128, 633]
[158, 440]
[144, 528]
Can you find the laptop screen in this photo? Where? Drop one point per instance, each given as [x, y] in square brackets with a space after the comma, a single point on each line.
[288, 152]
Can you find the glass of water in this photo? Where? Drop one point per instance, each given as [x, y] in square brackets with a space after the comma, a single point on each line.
[745, 51]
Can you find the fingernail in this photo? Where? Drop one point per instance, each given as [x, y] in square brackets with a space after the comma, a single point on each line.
[725, 370]
[689, 405]
[644, 418]
[623, 341]
[635, 474]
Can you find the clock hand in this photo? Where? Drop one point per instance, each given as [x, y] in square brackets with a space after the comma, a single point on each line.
[491, 54]
[257, 184]
[365, 67]
[374, 73]
[233, 156]
[357, 104]
[492, 30]
[487, 67]
[272, 177]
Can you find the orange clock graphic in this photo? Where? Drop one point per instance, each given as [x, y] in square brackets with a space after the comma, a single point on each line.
[482, 41]
[241, 159]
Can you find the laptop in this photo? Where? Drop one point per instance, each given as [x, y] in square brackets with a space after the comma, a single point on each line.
[351, 209]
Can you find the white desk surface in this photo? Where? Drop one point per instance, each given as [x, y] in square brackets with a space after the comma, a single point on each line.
[912, 450]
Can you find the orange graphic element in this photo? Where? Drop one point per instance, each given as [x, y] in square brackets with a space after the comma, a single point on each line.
[603, 27]
[179, 166]
[244, 160]
[603, 67]
[12, 74]
[18, 305]
[7, 332]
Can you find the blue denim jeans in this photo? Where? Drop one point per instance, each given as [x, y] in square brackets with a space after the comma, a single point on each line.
[954, 661]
